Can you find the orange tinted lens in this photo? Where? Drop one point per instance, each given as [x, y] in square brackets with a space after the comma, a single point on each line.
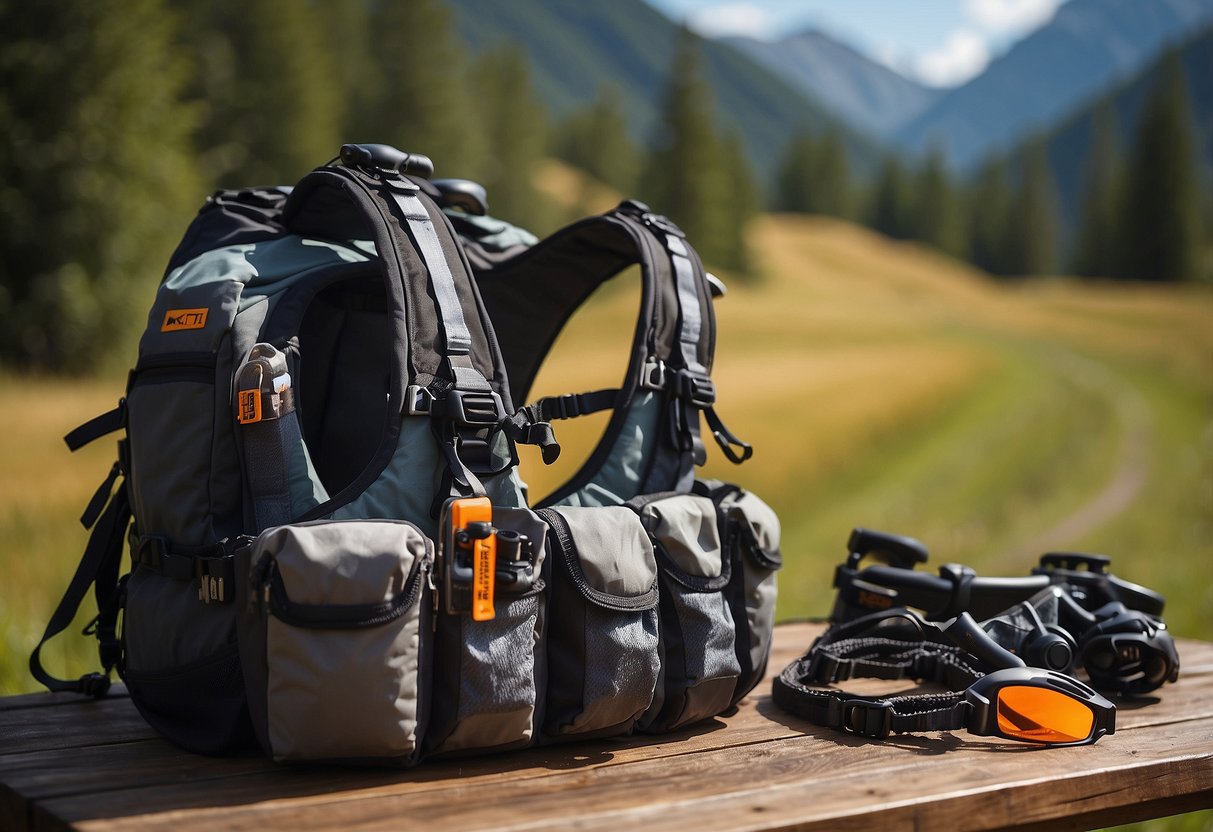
[1042, 715]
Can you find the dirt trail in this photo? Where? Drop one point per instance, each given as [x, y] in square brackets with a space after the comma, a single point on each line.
[1131, 470]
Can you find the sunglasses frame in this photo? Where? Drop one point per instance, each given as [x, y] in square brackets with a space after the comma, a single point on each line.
[982, 697]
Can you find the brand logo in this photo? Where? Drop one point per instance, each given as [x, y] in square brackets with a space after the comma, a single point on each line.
[178, 319]
[248, 406]
[873, 601]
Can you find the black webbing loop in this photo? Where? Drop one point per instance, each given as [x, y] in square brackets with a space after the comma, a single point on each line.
[726, 439]
[100, 497]
[97, 427]
[98, 568]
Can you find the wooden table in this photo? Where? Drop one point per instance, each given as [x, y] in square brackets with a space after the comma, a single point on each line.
[67, 763]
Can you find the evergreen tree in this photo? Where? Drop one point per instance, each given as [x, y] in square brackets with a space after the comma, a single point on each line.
[989, 209]
[267, 88]
[937, 219]
[796, 174]
[1031, 243]
[743, 204]
[515, 125]
[96, 178]
[684, 177]
[1160, 221]
[423, 103]
[833, 192]
[596, 140]
[1096, 249]
[359, 77]
[892, 213]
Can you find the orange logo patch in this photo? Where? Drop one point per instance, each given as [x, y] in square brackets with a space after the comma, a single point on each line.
[178, 319]
[248, 406]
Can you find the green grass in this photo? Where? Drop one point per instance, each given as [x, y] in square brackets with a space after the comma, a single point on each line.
[881, 384]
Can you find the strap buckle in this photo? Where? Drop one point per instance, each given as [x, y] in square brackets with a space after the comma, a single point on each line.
[476, 409]
[867, 718]
[696, 388]
[212, 574]
[653, 377]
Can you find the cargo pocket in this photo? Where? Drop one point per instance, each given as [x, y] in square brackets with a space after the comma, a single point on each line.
[488, 674]
[698, 637]
[750, 530]
[602, 651]
[334, 639]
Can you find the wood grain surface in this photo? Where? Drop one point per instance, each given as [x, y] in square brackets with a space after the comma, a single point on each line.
[67, 763]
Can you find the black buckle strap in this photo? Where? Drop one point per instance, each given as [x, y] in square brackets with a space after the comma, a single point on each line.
[97, 427]
[213, 567]
[866, 717]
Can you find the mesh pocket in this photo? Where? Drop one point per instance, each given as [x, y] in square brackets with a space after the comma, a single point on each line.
[602, 654]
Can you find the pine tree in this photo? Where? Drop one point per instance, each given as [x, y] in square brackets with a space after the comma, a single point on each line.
[833, 174]
[937, 219]
[795, 175]
[1031, 246]
[423, 103]
[358, 74]
[892, 214]
[1160, 221]
[515, 125]
[1096, 248]
[743, 204]
[96, 177]
[265, 80]
[596, 140]
[989, 207]
[684, 177]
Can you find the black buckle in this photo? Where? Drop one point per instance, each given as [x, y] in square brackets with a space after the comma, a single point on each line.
[825, 669]
[866, 718]
[150, 552]
[696, 388]
[473, 408]
[653, 377]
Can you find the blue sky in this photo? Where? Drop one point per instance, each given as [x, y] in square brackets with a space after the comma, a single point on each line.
[939, 42]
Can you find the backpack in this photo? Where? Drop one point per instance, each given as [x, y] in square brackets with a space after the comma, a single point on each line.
[331, 552]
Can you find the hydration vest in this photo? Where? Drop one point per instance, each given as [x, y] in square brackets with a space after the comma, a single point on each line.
[331, 551]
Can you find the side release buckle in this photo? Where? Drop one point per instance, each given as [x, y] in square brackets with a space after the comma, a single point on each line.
[866, 718]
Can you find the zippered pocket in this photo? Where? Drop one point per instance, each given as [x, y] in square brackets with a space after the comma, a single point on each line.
[335, 637]
[698, 636]
[488, 675]
[602, 656]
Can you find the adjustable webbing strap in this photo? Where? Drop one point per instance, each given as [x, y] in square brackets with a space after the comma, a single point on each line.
[98, 426]
[829, 661]
[98, 568]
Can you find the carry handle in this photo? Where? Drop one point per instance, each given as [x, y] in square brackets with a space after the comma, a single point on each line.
[386, 157]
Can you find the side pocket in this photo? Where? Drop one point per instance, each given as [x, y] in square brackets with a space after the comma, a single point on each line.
[751, 539]
[487, 676]
[602, 647]
[334, 639]
[700, 667]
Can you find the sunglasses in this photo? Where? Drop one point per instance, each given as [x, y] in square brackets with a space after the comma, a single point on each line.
[1033, 705]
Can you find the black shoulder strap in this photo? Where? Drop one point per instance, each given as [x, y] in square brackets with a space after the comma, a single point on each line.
[448, 364]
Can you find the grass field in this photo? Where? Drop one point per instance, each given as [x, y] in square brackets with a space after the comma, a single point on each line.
[881, 385]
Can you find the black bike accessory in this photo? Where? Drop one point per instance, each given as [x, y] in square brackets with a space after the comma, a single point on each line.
[1016, 702]
[1128, 652]
[892, 549]
[463, 195]
[1093, 586]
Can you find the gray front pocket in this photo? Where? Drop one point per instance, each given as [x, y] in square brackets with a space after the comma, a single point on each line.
[488, 674]
[602, 656]
[698, 636]
[334, 639]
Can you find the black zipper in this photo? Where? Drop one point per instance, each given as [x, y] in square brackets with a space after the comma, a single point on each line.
[572, 564]
[175, 366]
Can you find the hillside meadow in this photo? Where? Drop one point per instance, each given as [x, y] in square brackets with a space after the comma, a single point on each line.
[881, 385]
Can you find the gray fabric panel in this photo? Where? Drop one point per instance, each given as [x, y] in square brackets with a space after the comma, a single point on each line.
[616, 555]
[687, 530]
[343, 693]
[708, 636]
[406, 487]
[497, 679]
[619, 479]
[620, 672]
[220, 300]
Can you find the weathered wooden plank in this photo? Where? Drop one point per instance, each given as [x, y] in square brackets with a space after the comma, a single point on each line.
[800, 782]
[44, 699]
[87, 722]
[160, 769]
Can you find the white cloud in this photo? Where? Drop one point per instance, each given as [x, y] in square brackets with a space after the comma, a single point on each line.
[727, 19]
[1010, 17]
[963, 55]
